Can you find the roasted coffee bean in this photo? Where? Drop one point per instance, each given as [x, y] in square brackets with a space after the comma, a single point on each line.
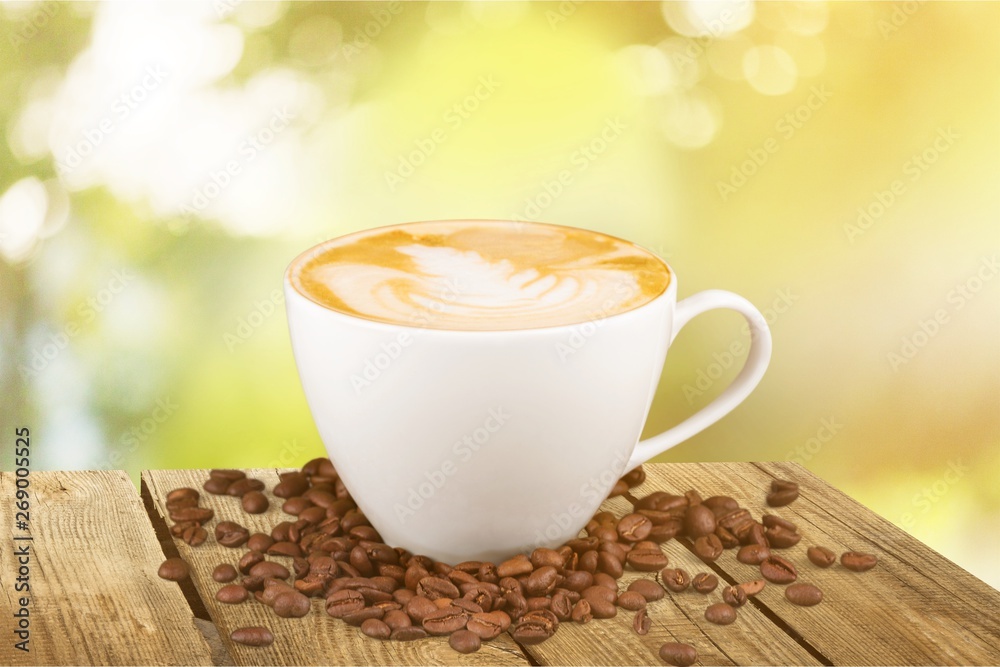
[578, 580]
[734, 596]
[601, 601]
[396, 618]
[542, 581]
[778, 570]
[720, 613]
[751, 588]
[465, 641]
[641, 623]
[269, 570]
[178, 529]
[272, 589]
[665, 531]
[699, 521]
[216, 485]
[581, 612]
[224, 573]
[634, 477]
[231, 594]
[434, 588]
[708, 547]
[252, 584]
[704, 583]
[606, 580]
[243, 486]
[821, 556]
[679, 655]
[376, 629]
[675, 579]
[632, 601]
[408, 634]
[260, 542]
[858, 561]
[753, 554]
[720, 504]
[227, 474]
[488, 625]
[620, 488]
[588, 561]
[255, 502]
[781, 538]
[252, 636]
[782, 493]
[648, 589]
[534, 627]
[174, 569]
[248, 560]
[804, 595]
[561, 605]
[755, 533]
[515, 604]
[634, 527]
[446, 620]
[290, 549]
[646, 560]
[344, 602]
[728, 540]
[231, 534]
[183, 494]
[622, 549]
[291, 484]
[291, 605]
[541, 557]
[771, 521]
[200, 515]
[195, 536]
[419, 608]
[513, 567]
[609, 565]
[605, 533]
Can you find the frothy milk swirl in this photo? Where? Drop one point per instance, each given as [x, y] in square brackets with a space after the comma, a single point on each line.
[479, 275]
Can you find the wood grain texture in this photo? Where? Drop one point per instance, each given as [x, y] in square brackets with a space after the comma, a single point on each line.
[95, 595]
[316, 639]
[914, 608]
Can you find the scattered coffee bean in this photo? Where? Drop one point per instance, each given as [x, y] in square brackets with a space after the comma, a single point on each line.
[195, 536]
[446, 620]
[232, 594]
[634, 527]
[231, 534]
[858, 561]
[751, 588]
[720, 613]
[534, 627]
[254, 502]
[376, 628]
[675, 579]
[778, 570]
[699, 521]
[804, 595]
[581, 612]
[291, 604]
[771, 521]
[632, 601]
[704, 583]
[641, 623]
[753, 554]
[781, 538]
[224, 573]
[270, 569]
[243, 486]
[782, 493]
[821, 556]
[465, 641]
[708, 547]
[216, 485]
[648, 589]
[252, 636]
[679, 655]
[343, 602]
[408, 634]
[734, 596]
[174, 569]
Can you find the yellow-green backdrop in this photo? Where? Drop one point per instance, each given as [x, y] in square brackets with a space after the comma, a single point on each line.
[836, 163]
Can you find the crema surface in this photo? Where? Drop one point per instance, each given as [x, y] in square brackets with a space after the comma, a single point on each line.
[479, 275]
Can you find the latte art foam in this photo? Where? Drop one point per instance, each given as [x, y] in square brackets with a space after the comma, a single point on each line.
[479, 275]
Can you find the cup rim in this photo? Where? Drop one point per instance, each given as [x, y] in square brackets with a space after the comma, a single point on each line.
[668, 290]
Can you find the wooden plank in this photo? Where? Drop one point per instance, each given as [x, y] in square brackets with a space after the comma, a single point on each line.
[95, 594]
[915, 607]
[316, 639]
[678, 617]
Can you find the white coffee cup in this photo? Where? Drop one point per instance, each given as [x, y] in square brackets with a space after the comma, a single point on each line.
[476, 445]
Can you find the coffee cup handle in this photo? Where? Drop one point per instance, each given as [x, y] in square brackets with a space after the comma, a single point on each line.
[748, 378]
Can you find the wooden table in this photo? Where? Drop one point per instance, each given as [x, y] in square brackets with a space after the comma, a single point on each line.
[96, 597]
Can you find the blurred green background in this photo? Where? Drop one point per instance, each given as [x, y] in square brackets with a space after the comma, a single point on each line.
[836, 163]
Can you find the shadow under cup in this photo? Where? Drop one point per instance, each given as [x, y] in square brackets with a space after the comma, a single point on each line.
[472, 444]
